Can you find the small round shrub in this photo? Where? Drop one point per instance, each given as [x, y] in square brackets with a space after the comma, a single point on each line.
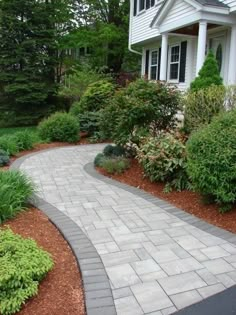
[115, 165]
[201, 106]
[59, 127]
[4, 158]
[98, 159]
[8, 143]
[163, 159]
[96, 96]
[211, 155]
[23, 267]
[115, 151]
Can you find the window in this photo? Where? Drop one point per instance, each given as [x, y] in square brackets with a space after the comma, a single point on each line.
[174, 62]
[141, 5]
[154, 65]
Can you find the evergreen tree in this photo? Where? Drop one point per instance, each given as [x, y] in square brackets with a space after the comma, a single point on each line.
[208, 75]
[30, 31]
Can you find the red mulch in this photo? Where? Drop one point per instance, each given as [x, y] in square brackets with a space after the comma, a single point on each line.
[61, 292]
[190, 202]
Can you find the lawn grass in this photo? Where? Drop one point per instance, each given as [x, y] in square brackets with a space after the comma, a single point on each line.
[11, 131]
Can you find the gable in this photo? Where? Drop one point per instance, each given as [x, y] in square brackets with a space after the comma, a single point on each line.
[180, 9]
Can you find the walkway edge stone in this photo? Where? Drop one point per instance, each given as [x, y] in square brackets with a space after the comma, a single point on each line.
[97, 288]
[181, 214]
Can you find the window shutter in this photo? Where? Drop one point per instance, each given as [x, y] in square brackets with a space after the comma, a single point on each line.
[135, 7]
[148, 4]
[159, 64]
[152, 3]
[147, 63]
[183, 58]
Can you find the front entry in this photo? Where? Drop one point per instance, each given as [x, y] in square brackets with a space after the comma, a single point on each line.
[217, 45]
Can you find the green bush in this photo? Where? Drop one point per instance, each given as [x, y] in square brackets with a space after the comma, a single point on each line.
[163, 159]
[136, 110]
[208, 75]
[95, 97]
[114, 151]
[59, 127]
[115, 165]
[230, 98]
[25, 140]
[4, 158]
[23, 265]
[89, 122]
[15, 190]
[211, 159]
[98, 159]
[201, 106]
[8, 144]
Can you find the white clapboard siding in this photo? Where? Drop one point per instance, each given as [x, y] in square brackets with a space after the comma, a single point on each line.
[179, 9]
[141, 30]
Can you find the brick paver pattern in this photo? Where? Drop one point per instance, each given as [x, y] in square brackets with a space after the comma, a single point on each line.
[156, 262]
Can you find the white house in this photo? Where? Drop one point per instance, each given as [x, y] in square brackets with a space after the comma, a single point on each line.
[175, 36]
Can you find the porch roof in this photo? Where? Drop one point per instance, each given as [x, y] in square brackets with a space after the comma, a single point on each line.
[198, 3]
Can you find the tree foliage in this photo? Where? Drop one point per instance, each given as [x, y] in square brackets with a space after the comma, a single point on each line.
[30, 33]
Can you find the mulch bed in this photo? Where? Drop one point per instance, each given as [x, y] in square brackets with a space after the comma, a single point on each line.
[61, 292]
[188, 201]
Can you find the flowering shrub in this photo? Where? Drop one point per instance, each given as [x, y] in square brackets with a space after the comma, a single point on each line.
[163, 159]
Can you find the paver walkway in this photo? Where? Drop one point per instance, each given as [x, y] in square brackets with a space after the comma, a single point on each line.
[156, 262]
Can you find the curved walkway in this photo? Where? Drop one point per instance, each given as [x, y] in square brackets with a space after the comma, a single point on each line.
[157, 261]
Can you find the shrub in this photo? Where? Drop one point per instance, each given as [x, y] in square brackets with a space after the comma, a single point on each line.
[23, 267]
[89, 122]
[230, 98]
[95, 97]
[208, 75]
[115, 165]
[98, 159]
[134, 111]
[163, 159]
[8, 144]
[113, 151]
[4, 158]
[201, 106]
[15, 190]
[211, 159]
[25, 140]
[59, 127]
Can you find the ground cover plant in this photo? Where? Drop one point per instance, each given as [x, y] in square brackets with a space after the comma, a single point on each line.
[23, 265]
[59, 127]
[15, 191]
[211, 165]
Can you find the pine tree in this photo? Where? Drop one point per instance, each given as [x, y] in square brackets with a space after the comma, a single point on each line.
[29, 36]
[208, 75]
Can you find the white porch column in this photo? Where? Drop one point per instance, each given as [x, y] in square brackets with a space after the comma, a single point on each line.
[201, 50]
[164, 52]
[232, 57]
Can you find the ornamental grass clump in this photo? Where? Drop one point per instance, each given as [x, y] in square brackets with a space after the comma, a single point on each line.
[15, 191]
[211, 153]
[23, 265]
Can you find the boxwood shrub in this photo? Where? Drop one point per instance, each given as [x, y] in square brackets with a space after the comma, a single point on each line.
[212, 159]
[23, 267]
[59, 127]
